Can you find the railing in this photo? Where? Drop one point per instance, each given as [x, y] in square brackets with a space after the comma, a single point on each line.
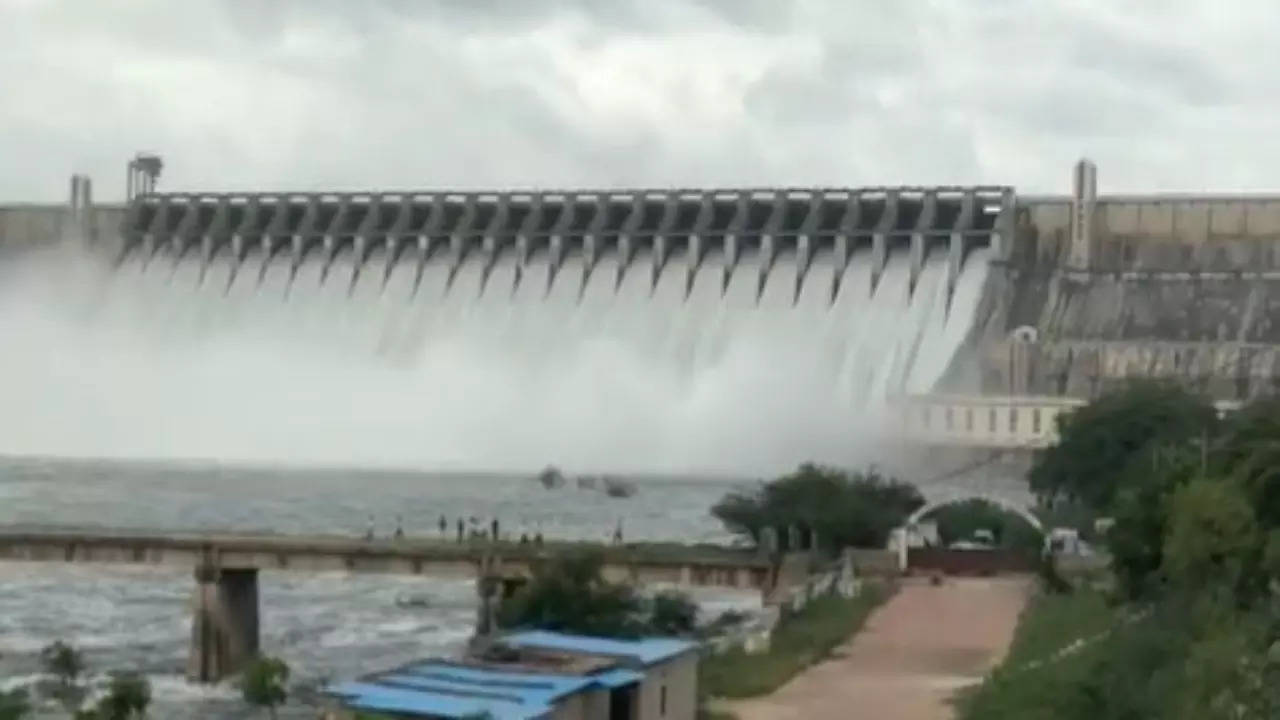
[992, 421]
[982, 421]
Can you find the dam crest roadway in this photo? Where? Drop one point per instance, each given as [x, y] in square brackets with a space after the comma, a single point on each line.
[379, 232]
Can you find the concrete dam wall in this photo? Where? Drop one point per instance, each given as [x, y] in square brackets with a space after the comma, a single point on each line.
[29, 227]
[1100, 289]
[1084, 290]
[651, 329]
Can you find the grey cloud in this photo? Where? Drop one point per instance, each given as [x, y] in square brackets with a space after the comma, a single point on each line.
[754, 15]
[273, 18]
[1179, 70]
[1083, 105]
[330, 93]
[784, 97]
[501, 16]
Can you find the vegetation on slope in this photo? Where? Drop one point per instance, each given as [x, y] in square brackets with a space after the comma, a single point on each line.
[1098, 443]
[1055, 622]
[798, 641]
[1195, 629]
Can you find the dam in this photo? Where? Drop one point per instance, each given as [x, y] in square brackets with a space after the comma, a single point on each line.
[659, 328]
[1099, 289]
[652, 329]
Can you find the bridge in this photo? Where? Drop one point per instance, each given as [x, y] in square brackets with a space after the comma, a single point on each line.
[225, 620]
[983, 421]
[995, 422]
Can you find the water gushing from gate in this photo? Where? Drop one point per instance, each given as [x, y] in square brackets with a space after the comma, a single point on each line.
[720, 358]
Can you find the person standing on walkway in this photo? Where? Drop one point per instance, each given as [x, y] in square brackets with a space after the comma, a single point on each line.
[399, 528]
[493, 527]
[459, 529]
[368, 533]
[444, 526]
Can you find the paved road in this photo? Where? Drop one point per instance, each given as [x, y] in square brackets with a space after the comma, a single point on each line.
[914, 653]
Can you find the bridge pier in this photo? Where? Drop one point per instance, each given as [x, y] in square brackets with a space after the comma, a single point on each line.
[494, 587]
[493, 590]
[224, 622]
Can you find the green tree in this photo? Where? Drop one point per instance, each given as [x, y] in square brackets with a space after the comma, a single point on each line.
[263, 683]
[1097, 443]
[66, 664]
[844, 509]
[14, 705]
[1271, 558]
[1212, 539]
[672, 613]
[1140, 511]
[127, 698]
[1249, 450]
[63, 662]
[742, 513]
[570, 594]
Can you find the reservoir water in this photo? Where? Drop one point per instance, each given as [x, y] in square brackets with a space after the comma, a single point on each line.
[326, 625]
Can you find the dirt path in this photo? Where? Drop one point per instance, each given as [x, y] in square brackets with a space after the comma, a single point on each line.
[913, 654]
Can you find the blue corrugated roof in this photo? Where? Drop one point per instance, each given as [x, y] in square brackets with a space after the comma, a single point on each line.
[526, 686]
[646, 651]
[448, 690]
[379, 698]
[617, 678]
[443, 689]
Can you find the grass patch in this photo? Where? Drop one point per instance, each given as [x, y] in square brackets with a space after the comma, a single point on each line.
[1051, 622]
[1021, 690]
[797, 642]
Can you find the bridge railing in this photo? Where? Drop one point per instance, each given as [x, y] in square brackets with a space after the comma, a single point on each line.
[981, 421]
[993, 421]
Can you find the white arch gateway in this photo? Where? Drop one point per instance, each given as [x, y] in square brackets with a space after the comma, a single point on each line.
[898, 540]
[1018, 509]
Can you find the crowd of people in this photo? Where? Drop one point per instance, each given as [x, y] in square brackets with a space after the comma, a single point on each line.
[471, 529]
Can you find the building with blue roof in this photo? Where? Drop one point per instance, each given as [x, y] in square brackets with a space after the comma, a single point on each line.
[536, 675]
[669, 688]
[643, 651]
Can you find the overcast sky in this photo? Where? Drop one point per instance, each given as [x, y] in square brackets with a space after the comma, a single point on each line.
[346, 94]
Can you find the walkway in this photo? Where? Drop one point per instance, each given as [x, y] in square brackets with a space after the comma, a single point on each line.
[914, 653]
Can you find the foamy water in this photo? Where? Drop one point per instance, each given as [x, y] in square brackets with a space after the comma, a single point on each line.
[162, 358]
[326, 625]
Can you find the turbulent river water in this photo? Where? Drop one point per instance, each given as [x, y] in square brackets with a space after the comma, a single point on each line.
[743, 365]
[326, 625]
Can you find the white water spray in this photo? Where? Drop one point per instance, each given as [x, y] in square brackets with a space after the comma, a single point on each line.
[151, 361]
